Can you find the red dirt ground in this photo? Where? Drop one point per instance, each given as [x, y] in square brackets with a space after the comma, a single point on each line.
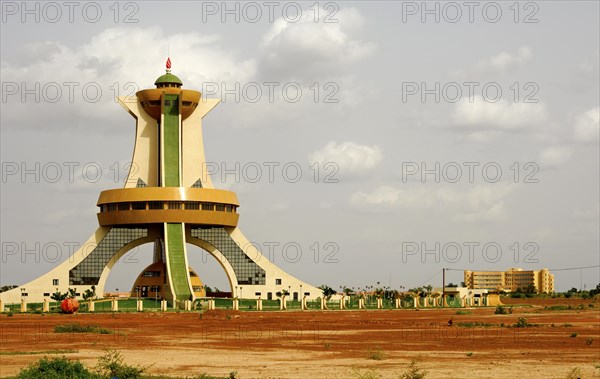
[330, 344]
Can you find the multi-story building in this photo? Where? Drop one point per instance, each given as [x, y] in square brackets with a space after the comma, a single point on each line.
[510, 280]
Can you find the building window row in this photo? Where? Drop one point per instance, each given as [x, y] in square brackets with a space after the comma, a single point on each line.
[160, 205]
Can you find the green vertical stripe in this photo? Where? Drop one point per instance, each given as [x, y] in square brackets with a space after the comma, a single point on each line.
[171, 140]
[176, 256]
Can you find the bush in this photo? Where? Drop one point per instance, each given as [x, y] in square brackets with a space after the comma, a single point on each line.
[111, 365]
[77, 328]
[522, 323]
[500, 310]
[413, 372]
[573, 335]
[56, 368]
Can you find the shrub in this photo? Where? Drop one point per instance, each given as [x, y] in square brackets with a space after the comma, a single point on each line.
[413, 372]
[56, 368]
[78, 328]
[460, 312]
[589, 341]
[522, 323]
[111, 364]
[470, 354]
[500, 310]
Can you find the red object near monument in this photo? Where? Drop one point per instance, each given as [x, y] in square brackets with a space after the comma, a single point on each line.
[69, 305]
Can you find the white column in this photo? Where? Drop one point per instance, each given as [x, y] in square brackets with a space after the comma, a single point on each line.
[140, 305]
[23, 306]
[91, 305]
[114, 306]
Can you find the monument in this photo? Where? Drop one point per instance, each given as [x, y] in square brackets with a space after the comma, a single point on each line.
[168, 200]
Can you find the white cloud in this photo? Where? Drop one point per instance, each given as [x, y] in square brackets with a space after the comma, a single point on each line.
[116, 61]
[480, 203]
[555, 156]
[349, 156]
[500, 63]
[502, 115]
[505, 61]
[587, 126]
[380, 195]
[307, 50]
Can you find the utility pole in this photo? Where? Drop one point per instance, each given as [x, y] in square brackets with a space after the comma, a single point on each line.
[443, 285]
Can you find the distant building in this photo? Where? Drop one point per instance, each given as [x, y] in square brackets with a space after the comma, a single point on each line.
[510, 280]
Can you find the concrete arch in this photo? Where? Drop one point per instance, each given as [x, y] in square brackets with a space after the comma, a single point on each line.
[122, 251]
[231, 277]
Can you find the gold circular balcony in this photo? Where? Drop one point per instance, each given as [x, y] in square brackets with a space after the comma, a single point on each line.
[155, 205]
[151, 100]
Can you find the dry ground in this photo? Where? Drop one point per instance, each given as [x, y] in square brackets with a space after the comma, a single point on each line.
[330, 344]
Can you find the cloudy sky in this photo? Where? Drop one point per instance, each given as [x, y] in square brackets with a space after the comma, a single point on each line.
[367, 141]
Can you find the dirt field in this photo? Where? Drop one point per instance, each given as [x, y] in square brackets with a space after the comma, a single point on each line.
[331, 344]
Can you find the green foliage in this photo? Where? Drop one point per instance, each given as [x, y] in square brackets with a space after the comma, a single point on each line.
[589, 341]
[56, 368]
[78, 328]
[328, 292]
[6, 288]
[470, 354]
[522, 323]
[111, 365]
[461, 312]
[89, 294]
[58, 296]
[413, 372]
[573, 335]
[500, 310]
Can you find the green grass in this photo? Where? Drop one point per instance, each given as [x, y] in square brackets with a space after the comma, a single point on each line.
[78, 328]
[461, 312]
[558, 308]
